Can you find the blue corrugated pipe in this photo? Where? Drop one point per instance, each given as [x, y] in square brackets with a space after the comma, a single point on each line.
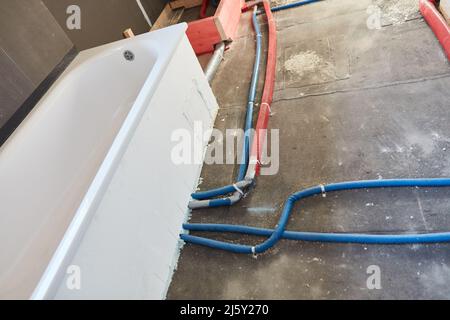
[280, 231]
[324, 237]
[251, 99]
[293, 5]
[242, 183]
[205, 198]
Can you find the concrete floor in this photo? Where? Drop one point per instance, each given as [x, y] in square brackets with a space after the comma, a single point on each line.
[377, 107]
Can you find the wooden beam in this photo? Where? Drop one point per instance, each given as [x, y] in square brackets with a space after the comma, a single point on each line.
[444, 7]
[227, 16]
[128, 33]
[176, 4]
[203, 35]
[168, 17]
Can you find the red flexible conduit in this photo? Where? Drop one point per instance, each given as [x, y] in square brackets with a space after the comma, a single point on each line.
[437, 23]
[264, 110]
[204, 8]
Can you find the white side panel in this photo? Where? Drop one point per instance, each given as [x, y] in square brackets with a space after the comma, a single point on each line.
[131, 246]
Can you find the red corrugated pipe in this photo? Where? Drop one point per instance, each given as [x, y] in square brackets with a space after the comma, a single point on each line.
[437, 23]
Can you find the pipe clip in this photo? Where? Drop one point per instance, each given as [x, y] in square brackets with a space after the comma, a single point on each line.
[324, 192]
[238, 189]
[268, 106]
[255, 256]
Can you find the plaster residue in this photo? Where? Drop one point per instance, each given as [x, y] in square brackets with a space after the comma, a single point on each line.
[303, 62]
[274, 279]
[435, 281]
[308, 62]
[398, 11]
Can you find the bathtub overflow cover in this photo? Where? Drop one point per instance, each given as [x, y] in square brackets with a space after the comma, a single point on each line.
[128, 55]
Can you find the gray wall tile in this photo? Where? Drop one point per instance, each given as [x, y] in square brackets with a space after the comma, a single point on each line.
[15, 87]
[32, 37]
[102, 21]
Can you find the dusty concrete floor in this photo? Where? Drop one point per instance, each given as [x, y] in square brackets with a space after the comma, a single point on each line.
[376, 105]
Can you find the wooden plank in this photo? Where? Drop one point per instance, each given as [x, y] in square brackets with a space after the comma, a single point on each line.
[206, 33]
[128, 33]
[176, 4]
[228, 15]
[444, 7]
[220, 29]
[168, 17]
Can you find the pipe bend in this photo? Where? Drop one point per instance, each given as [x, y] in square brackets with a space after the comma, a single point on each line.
[244, 167]
[238, 195]
[437, 23]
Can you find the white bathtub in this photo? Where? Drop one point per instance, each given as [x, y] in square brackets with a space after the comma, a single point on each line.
[87, 181]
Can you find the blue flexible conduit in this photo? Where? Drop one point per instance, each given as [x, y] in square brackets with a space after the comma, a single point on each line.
[251, 99]
[325, 237]
[280, 231]
[248, 126]
[213, 193]
[293, 5]
[275, 235]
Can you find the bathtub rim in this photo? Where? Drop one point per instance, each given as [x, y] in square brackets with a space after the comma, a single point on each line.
[54, 273]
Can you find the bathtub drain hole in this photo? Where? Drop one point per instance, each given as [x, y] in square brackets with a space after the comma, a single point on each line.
[128, 55]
